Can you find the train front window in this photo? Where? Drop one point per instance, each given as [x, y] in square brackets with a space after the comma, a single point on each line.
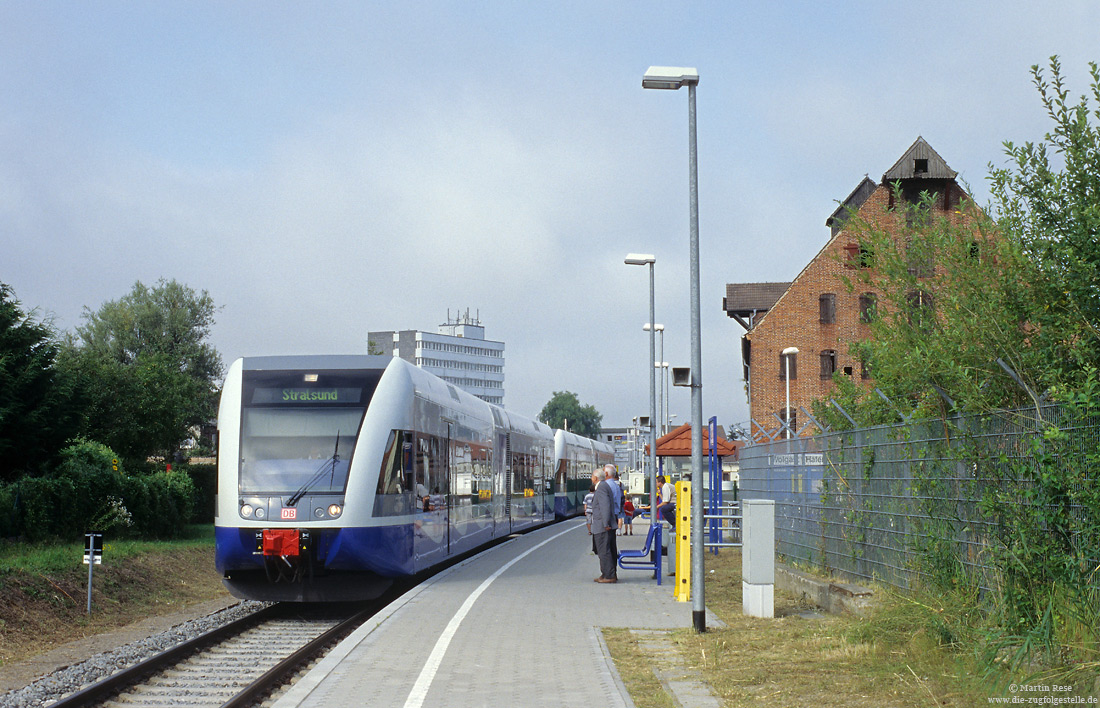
[298, 430]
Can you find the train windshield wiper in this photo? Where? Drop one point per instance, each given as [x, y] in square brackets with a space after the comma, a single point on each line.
[328, 465]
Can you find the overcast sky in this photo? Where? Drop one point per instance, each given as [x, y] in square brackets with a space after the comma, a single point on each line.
[323, 169]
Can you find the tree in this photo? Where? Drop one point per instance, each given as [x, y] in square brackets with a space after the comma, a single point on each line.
[36, 415]
[147, 372]
[1051, 206]
[565, 411]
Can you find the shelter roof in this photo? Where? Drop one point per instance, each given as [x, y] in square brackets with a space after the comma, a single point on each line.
[677, 443]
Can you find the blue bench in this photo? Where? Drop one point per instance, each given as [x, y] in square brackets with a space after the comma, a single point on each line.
[629, 560]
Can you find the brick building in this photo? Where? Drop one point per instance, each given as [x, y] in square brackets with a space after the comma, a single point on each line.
[815, 313]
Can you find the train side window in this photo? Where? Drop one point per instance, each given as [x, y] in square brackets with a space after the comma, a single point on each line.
[393, 496]
[423, 471]
[440, 483]
[389, 477]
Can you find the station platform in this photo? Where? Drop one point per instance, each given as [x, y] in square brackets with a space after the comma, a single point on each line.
[514, 626]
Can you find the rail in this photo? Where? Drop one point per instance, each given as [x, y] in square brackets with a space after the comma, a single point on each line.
[133, 676]
[722, 527]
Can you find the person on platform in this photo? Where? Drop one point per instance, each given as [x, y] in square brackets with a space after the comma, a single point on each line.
[604, 523]
[666, 501]
[617, 491]
[628, 517]
[588, 514]
[613, 475]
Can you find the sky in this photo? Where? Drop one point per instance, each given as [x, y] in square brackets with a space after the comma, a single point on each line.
[325, 169]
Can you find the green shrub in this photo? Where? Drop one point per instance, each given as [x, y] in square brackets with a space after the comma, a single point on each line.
[9, 527]
[161, 504]
[85, 493]
[205, 479]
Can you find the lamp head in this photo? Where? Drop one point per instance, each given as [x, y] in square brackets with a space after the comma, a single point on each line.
[640, 259]
[669, 77]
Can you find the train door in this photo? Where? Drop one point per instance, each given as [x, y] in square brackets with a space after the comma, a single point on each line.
[448, 473]
[508, 479]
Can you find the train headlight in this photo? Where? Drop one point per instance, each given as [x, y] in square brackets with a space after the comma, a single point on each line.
[319, 513]
[334, 510]
[260, 512]
[246, 510]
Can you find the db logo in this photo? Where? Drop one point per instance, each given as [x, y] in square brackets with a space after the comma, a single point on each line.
[289, 514]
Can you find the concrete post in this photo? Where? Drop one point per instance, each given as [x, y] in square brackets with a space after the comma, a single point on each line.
[758, 557]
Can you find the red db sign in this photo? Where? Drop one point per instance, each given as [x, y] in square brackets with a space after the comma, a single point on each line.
[289, 514]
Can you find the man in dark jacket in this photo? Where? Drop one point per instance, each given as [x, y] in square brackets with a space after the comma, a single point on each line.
[604, 523]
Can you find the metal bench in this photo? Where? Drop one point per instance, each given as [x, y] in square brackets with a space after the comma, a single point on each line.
[631, 560]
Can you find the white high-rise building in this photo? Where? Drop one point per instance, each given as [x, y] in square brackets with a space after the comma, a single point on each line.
[458, 353]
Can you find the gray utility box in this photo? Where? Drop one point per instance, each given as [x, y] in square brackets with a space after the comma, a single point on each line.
[758, 557]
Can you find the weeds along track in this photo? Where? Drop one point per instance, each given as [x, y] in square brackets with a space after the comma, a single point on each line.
[237, 664]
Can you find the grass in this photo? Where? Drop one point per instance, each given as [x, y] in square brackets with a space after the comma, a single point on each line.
[55, 557]
[43, 588]
[910, 651]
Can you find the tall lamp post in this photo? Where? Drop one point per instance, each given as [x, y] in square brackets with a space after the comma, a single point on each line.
[787, 354]
[649, 259]
[660, 376]
[672, 78]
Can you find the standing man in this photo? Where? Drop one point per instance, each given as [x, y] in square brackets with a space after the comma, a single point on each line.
[620, 499]
[604, 523]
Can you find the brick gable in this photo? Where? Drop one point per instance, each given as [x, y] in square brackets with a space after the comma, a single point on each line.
[800, 318]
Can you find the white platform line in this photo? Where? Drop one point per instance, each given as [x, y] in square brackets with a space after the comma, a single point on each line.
[424, 681]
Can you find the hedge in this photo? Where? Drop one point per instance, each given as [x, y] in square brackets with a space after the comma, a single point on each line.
[86, 493]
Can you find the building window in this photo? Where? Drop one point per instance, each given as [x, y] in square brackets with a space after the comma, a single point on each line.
[859, 255]
[783, 361]
[866, 255]
[867, 302]
[920, 308]
[826, 305]
[919, 259]
[793, 422]
[828, 363]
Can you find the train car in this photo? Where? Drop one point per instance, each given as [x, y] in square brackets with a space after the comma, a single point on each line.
[575, 457]
[337, 474]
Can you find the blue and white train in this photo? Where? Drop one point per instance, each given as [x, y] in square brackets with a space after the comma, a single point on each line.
[337, 474]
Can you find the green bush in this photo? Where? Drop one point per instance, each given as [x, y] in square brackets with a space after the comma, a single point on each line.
[96, 488]
[205, 479]
[161, 504]
[8, 521]
[86, 493]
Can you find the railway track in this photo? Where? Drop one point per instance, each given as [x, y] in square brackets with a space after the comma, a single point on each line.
[235, 665]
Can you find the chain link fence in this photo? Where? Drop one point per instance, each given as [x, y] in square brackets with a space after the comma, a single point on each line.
[892, 503]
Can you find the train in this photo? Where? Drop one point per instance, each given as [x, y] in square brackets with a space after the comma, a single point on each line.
[338, 474]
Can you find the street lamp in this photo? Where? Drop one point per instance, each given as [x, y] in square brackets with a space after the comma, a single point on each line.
[672, 78]
[661, 375]
[642, 259]
[787, 354]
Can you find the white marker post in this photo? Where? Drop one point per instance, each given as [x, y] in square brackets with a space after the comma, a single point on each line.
[93, 556]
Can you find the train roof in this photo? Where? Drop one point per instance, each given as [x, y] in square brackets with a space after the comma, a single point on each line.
[330, 362]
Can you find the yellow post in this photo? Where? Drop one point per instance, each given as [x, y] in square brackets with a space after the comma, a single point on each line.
[683, 542]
